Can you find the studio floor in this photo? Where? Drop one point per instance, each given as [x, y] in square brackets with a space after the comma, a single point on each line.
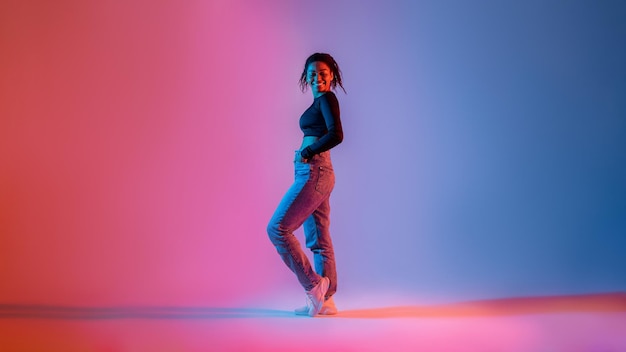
[563, 323]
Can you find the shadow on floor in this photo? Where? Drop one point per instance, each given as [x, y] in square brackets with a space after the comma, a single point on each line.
[596, 303]
[8, 311]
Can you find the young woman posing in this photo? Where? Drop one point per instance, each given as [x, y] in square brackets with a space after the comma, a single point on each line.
[307, 200]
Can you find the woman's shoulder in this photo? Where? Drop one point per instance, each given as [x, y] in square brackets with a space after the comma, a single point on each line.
[329, 97]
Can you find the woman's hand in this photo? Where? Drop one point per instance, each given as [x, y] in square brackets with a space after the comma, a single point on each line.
[299, 158]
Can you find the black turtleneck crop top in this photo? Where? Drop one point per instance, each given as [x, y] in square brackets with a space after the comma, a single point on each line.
[321, 120]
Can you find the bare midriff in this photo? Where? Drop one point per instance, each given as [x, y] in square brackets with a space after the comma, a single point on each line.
[307, 141]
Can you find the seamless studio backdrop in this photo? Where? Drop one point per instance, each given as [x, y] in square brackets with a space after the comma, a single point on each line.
[144, 146]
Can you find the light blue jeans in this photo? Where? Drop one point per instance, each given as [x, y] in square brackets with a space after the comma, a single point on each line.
[307, 203]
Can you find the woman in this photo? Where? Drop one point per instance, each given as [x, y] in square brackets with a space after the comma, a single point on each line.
[307, 201]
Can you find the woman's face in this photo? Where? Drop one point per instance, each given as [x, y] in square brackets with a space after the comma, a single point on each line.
[319, 76]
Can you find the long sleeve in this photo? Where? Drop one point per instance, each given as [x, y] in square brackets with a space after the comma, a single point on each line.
[329, 106]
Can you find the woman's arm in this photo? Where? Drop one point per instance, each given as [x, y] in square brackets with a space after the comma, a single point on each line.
[329, 106]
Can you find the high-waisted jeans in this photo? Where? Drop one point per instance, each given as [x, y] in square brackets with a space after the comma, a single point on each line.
[307, 203]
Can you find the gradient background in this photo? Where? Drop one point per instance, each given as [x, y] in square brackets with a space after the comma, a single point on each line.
[145, 144]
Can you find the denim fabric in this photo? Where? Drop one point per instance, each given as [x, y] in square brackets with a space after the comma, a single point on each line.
[307, 203]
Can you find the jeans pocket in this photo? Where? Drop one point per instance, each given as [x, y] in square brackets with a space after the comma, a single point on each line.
[325, 180]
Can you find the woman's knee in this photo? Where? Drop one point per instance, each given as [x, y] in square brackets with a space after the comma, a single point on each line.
[272, 228]
[275, 231]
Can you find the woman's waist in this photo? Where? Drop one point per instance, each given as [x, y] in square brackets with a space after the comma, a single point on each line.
[319, 159]
[308, 140]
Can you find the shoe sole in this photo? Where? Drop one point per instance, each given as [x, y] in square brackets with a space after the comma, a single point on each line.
[323, 311]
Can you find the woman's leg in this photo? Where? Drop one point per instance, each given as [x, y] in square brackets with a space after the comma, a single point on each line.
[300, 201]
[317, 234]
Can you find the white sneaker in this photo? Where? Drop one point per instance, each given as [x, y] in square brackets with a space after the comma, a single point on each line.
[315, 297]
[328, 308]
